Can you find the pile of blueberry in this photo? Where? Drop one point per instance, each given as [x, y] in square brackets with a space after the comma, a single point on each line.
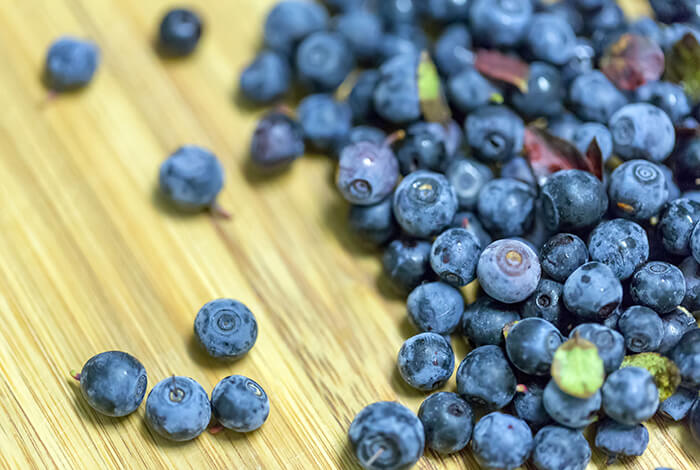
[608, 258]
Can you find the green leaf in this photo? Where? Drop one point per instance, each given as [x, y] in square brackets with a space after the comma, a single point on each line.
[432, 98]
[577, 368]
[664, 371]
[683, 65]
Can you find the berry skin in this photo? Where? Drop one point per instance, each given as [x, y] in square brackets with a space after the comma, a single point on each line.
[687, 161]
[677, 223]
[70, 63]
[642, 130]
[397, 12]
[452, 52]
[447, 10]
[278, 141]
[545, 93]
[529, 407]
[325, 121]
[550, 38]
[572, 412]
[610, 343]
[179, 32]
[178, 409]
[435, 307]
[686, 355]
[468, 90]
[367, 173]
[494, 133]
[695, 243]
[642, 328]
[448, 422]
[666, 95]
[483, 321]
[386, 436]
[191, 178]
[506, 207]
[620, 244]
[426, 361]
[374, 224]
[694, 421]
[564, 126]
[471, 223]
[637, 190]
[508, 271]
[560, 448]
[619, 440]
[323, 61]
[546, 303]
[518, 168]
[501, 441]
[588, 131]
[406, 263]
[582, 61]
[485, 378]
[562, 254]
[267, 78]
[423, 148]
[424, 203]
[454, 256]
[290, 21]
[361, 97]
[678, 405]
[468, 177]
[676, 324]
[573, 199]
[361, 134]
[363, 31]
[240, 404]
[499, 23]
[592, 292]
[594, 98]
[531, 344]
[113, 383]
[691, 272]
[630, 396]
[226, 328]
[396, 93]
[659, 286]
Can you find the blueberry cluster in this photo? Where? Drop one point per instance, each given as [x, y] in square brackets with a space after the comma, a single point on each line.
[607, 256]
[178, 408]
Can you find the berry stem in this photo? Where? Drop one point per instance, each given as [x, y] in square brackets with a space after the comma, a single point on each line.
[521, 388]
[394, 137]
[376, 455]
[218, 211]
[216, 429]
[75, 374]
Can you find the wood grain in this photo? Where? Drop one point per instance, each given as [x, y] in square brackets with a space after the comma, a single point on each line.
[91, 260]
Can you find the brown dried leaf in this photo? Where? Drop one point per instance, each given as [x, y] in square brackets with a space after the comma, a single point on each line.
[548, 154]
[633, 61]
[505, 68]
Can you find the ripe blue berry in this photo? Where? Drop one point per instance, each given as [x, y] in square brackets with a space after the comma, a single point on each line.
[573, 199]
[546, 303]
[494, 133]
[560, 448]
[610, 343]
[179, 32]
[501, 441]
[642, 130]
[191, 178]
[676, 324]
[290, 21]
[620, 244]
[453, 49]
[240, 404]
[529, 407]
[267, 78]
[659, 286]
[373, 224]
[435, 307]
[630, 396]
[500, 23]
[367, 173]
[562, 254]
[678, 405]
[325, 121]
[485, 378]
[424, 203]
[570, 411]
[686, 355]
[531, 344]
[278, 140]
[637, 190]
[178, 409]
[70, 63]
[363, 31]
[226, 328]
[586, 132]
[361, 97]
[468, 177]
[471, 223]
[666, 95]
[694, 421]
[483, 321]
[592, 292]
[454, 256]
[545, 93]
[323, 61]
[691, 272]
[550, 38]
[396, 93]
[468, 90]
[448, 422]
[506, 207]
[508, 271]
[423, 148]
[677, 223]
[426, 361]
[406, 263]
[620, 440]
[594, 98]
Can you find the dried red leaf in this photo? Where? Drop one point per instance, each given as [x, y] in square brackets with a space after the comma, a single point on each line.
[505, 68]
[594, 159]
[633, 61]
[548, 154]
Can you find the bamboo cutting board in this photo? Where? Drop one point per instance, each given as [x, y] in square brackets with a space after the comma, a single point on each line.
[91, 260]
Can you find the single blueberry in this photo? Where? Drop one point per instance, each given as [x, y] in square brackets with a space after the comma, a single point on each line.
[594, 97]
[694, 420]
[426, 361]
[529, 407]
[290, 21]
[406, 263]
[267, 78]
[620, 244]
[435, 307]
[424, 203]
[531, 344]
[452, 51]
[666, 95]
[641, 130]
[677, 223]
[396, 93]
[586, 132]
[483, 321]
[501, 441]
[447, 11]
[620, 440]
[678, 405]
[226, 328]
[592, 291]
[638, 190]
[573, 199]
[191, 178]
[676, 324]
[70, 63]
[642, 328]
[630, 396]
[562, 254]
[509, 271]
[570, 411]
[454, 256]
[323, 61]
[546, 303]
[499, 23]
[471, 223]
[325, 122]
[278, 141]
[367, 173]
[373, 224]
[560, 448]
[691, 272]
[178, 409]
[468, 176]
[506, 207]
[448, 422]
[363, 31]
[494, 133]
[564, 126]
[610, 343]
[179, 32]
[550, 38]
[424, 147]
[485, 378]
[545, 92]
[240, 404]
[659, 286]
[686, 355]
[468, 90]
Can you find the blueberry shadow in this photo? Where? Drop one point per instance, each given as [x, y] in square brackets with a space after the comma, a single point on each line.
[406, 328]
[229, 435]
[200, 356]
[87, 414]
[256, 176]
[148, 434]
[52, 94]
[387, 289]
[402, 389]
[167, 55]
[335, 216]
[165, 207]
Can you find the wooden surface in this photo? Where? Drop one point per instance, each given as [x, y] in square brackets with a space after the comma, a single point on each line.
[91, 260]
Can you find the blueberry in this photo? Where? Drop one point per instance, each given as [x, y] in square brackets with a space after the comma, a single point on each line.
[620, 244]
[586, 132]
[501, 441]
[426, 361]
[637, 190]
[573, 199]
[471, 223]
[677, 406]
[564, 126]
[179, 32]
[468, 90]
[485, 378]
[676, 324]
[373, 224]
[178, 408]
[691, 272]
[550, 38]
[610, 343]
[326, 122]
[240, 404]
[674, 191]
[267, 78]
[396, 93]
[594, 98]
[394, 45]
[545, 302]
[686, 355]
[630, 396]
[642, 328]
[453, 49]
[670, 11]
[323, 61]
[506, 207]
[666, 95]
[357, 134]
[406, 263]
[278, 140]
[395, 12]
[454, 256]
[448, 422]
[687, 161]
[519, 168]
[641, 130]
[545, 93]
[483, 321]
[70, 63]
[647, 27]
[611, 321]
[290, 21]
[559, 448]
[386, 436]
[677, 223]
[191, 178]
[500, 23]
[562, 254]
[468, 177]
[508, 271]
[367, 173]
[659, 286]
[424, 203]
[226, 328]
[609, 17]
[435, 307]
[592, 292]
[447, 10]
[694, 420]
[529, 407]
[531, 344]
[695, 243]
[346, 5]
[619, 440]
[566, 10]
[423, 148]
[583, 61]
[494, 133]
[570, 411]
[363, 31]
[113, 383]
[361, 97]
